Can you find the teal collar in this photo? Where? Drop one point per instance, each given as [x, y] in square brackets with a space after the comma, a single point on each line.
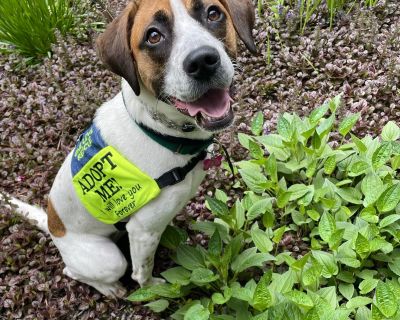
[175, 144]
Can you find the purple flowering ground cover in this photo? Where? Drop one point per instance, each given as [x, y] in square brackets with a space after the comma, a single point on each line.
[44, 108]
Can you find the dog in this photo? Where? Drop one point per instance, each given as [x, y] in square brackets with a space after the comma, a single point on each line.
[175, 60]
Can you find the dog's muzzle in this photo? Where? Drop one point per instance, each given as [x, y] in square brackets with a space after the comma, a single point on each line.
[212, 110]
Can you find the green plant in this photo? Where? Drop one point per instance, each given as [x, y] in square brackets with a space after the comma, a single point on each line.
[29, 27]
[304, 10]
[315, 236]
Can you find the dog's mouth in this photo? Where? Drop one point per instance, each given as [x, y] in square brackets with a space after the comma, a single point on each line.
[212, 111]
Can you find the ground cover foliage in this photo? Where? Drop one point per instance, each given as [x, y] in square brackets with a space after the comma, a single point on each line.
[31, 27]
[342, 200]
[44, 107]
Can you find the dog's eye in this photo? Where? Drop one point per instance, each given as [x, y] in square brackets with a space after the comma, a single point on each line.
[154, 36]
[214, 14]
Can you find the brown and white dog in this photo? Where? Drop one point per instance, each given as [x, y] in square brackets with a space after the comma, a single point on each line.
[174, 56]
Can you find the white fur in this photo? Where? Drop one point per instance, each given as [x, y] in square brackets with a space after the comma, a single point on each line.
[89, 254]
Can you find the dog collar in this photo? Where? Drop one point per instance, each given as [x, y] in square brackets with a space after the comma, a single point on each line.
[179, 145]
[182, 146]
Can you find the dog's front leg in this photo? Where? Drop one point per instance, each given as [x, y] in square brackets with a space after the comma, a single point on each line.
[143, 245]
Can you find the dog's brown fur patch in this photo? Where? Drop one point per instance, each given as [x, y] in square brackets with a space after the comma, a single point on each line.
[230, 39]
[54, 222]
[148, 68]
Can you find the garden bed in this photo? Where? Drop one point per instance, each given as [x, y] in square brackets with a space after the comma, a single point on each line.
[45, 107]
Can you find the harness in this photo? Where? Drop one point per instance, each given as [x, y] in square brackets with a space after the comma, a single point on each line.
[111, 187]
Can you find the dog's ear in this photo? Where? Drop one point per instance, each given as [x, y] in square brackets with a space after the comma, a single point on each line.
[243, 16]
[114, 48]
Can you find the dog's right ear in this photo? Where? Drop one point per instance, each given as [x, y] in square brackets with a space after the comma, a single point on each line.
[114, 48]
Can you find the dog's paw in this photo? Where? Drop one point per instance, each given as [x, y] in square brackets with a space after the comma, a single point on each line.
[113, 290]
[152, 282]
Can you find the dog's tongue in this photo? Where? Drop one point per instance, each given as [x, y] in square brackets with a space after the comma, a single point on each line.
[215, 103]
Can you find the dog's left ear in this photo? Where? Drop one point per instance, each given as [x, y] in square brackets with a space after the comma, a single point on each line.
[243, 16]
[114, 48]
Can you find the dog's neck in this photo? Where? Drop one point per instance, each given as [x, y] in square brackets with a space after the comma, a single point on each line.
[159, 116]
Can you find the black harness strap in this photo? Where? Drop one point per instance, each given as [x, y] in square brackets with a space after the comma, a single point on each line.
[171, 178]
[178, 174]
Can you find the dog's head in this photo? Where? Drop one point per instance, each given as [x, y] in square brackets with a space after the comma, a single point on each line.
[180, 51]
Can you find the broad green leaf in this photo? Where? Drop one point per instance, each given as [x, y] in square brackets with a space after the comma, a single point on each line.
[244, 293]
[348, 123]
[395, 266]
[367, 285]
[244, 140]
[357, 302]
[346, 255]
[326, 126]
[327, 226]
[177, 275]
[262, 298]
[255, 180]
[173, 237]
[141, 295]
[330, 165]
[215, 244]
[256, 152]
[347, 290]
[386, 301]
[350, 194]
[389, 199]
[362, 245]
[312, 275]
[381, 155]
[284, 282]
[334, 104]
[297, 191]
[158, 305]
[336, 239]
[250, 258]
[284, 128]
[369, 214]
[167, 290]
[261, 240]
[189, 257]
[396, 162]
[259, 208]
[271, 168]
[218, 298]
[389, 220]
[300, 263]
[197, 312]
[257, 124]
[358, 168]
[239, 214]
[313, 214]
[318, 113]
[300, 298]
[203, 276]
[371, 187]
[329, 295]
[328, 263]
[363, 313]
[390, 132]
[359, 144]
[217, 207]
[278, 234]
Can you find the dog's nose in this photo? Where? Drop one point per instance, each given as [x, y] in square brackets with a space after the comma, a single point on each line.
[202, 63]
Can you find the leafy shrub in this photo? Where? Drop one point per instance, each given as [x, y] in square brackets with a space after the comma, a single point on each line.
[306, 9]
[315, 235]
[29, 26]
